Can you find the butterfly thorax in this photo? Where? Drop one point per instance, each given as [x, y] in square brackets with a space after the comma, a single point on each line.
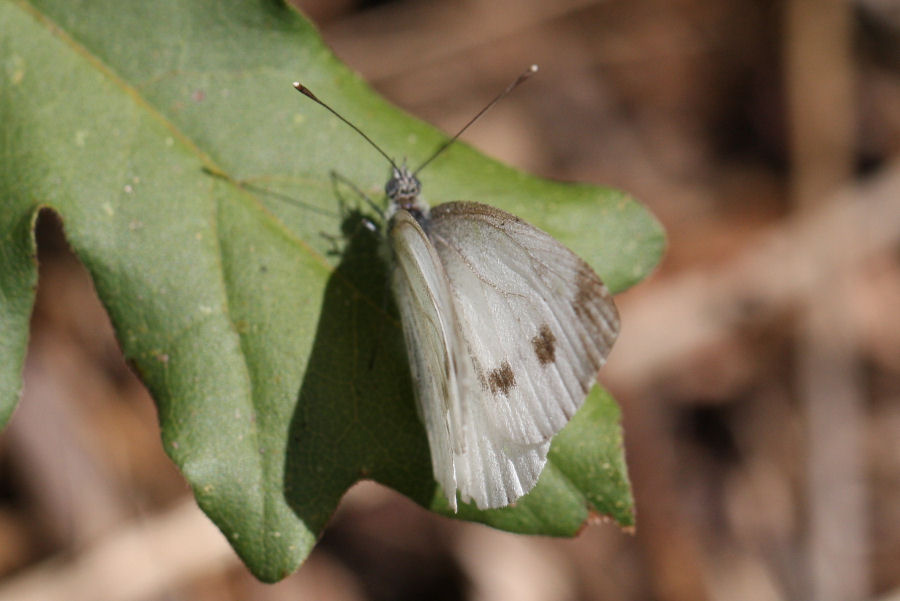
[403, 190]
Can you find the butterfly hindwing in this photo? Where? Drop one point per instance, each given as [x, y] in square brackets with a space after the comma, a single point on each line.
[467, 453]
[430, 329]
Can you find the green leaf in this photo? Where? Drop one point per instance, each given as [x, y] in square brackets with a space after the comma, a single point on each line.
[195, 186]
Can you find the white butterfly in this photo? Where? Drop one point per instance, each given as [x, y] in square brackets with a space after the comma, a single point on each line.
[505, 330]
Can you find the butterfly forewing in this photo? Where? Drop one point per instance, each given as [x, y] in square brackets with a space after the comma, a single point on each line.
[536, 319]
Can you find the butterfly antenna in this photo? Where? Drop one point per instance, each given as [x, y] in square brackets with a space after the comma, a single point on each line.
[521, 78]
[308, 93]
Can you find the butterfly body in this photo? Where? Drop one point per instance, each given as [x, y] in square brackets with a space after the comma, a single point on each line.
[505, 330]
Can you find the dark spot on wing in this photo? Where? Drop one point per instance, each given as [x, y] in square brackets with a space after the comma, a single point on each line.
[544, 345]
[501, 379]
[589, 288]
[594, 306]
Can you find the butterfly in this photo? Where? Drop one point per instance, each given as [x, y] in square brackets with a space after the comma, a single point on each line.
[505, 331]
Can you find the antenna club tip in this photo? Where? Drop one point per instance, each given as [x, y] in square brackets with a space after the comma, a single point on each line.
[533, 69]
[305, 91]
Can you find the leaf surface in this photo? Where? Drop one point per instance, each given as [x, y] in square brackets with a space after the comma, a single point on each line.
[195, 185]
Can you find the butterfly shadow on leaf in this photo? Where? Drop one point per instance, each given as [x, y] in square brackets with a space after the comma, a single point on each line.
[355, 417]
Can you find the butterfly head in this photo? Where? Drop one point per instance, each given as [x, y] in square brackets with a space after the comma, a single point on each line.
[403, 188]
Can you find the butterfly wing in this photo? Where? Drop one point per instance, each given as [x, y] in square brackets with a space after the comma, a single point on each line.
[505, 330]
[435, 349]
[489, 469]
[536, 319]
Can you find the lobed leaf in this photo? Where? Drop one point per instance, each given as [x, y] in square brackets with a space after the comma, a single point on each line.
[195, 186]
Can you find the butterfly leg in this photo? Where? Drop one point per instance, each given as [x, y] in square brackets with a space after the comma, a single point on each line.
[338, 179]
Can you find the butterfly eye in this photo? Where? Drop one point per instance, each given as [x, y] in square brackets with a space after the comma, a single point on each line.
[411, 187]
[390, 188]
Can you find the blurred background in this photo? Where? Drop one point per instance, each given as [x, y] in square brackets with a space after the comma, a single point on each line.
[758, 369]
